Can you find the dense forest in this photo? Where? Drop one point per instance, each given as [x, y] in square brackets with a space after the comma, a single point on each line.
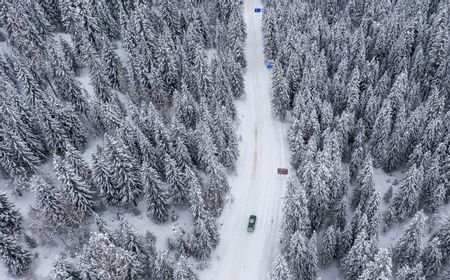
[155, 81]
[364, 85]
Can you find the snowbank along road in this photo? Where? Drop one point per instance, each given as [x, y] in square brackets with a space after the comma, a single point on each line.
[256, 189]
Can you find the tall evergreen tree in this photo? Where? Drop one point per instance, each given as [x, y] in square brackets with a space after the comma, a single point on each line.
[407, 250]
[359, 257]
[406, 201]
[379, 268]
[17, 259]
[281, 270]
[10, 217]
[157, 199]
[410, 273]
[48, 202]
[80, 196]
[432, 259]
[183, 271]
[280, 88]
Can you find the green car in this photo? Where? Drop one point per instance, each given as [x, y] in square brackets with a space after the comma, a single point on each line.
[251, 223]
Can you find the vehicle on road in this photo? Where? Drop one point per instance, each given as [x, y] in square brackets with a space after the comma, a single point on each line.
[251, 223]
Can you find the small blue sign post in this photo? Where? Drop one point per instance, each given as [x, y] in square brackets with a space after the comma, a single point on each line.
[258, 10]
[269, 65]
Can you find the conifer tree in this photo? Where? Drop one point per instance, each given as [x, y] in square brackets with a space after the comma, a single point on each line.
[406, 201]
[80, 197]
[410, 273]
[129, 239]
[295, 212]
[359, 257]
[175, 178]
[124, 172]
[164, 267]
[297, 246]
[281, 269]
[379, 268]
[407, 250]
[280, 88]
[183, 271]
[365, 186]
[329, 245]
[101, 259]
[205, 235]
[157, 199]
[66, 85]
[10, 217]
[48, 202]
[75, 159]
[113, 67]
[16, 258]
[432, 259]
[63, 270]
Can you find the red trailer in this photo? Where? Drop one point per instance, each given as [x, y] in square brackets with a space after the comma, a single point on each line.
[282, 171]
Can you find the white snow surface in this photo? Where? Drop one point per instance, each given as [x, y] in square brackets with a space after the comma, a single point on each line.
[256, 188]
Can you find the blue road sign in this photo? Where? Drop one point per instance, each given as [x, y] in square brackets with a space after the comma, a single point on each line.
[258, 10]
[269, 65]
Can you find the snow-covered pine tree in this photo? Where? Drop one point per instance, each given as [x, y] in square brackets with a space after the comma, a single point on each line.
[70, 58]
[365, 186]
[66, 85]
[48, 202]
[16, 257]
[433, 190]
[379, 268]
[10, 217]
[310, 259]
[99, 78]
[270, 30]
[18, 157]
[432, 259]
[124, 173]
[157, 200]
[281, 269]
[328, 249]
[63, 270]
[185, 107]
[129, 239]
[79, 194]
[183, 270]
[205, 236]
[358, 258]
[101, 259]
[105, 116]
[339, 213]
[295, 212]
[407, 250]
[297, 246]
[398, 145]
[175, 178]
[318, 202]
[410, 273]
[381, 131]
[74, 158]
[164, 267]
[406, 200]
[216, 189]
[280, 88]
[114, 70]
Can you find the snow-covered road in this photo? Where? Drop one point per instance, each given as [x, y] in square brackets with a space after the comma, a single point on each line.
[256, 189]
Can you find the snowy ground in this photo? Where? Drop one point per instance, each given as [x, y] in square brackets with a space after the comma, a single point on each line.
[256, 189]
